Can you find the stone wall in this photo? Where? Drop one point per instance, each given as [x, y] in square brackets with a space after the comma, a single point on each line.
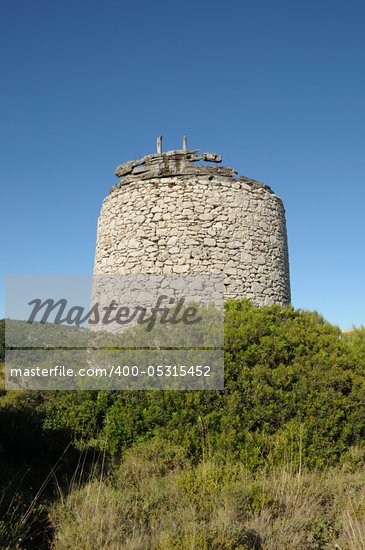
[176, 223]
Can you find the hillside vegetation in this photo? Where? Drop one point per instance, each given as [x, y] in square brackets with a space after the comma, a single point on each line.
[276, 460]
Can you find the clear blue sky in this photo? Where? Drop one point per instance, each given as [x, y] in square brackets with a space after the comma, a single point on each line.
[276, 87]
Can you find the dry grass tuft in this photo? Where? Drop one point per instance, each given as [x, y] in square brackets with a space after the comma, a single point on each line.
[158, 500]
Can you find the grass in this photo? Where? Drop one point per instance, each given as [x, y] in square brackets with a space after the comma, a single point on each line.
[158, 500]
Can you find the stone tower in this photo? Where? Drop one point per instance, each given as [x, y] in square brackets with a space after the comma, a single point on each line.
[169, 215]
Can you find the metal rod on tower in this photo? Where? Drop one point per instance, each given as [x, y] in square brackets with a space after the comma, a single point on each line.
[159, 144]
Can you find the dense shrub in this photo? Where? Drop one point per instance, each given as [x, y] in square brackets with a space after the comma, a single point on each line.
[294, 387]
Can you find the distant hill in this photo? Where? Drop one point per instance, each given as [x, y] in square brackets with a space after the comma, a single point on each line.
[2, 340]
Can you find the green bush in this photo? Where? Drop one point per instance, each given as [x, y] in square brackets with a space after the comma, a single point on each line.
[294, 387]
